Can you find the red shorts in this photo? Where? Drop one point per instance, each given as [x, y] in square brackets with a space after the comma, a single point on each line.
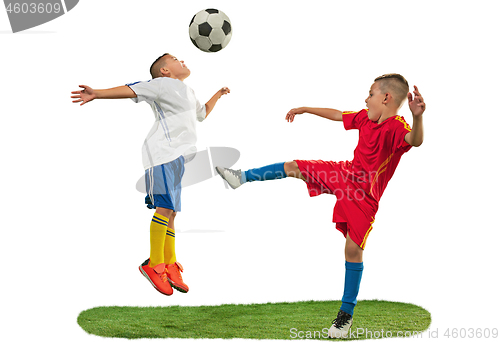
[354, 212]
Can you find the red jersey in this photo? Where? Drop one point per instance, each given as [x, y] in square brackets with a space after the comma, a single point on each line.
[359, 184]
[379, 150]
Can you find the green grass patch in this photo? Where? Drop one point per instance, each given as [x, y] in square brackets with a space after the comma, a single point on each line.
[283, 321]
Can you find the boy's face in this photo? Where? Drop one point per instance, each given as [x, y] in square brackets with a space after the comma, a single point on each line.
[177, 69]
[375, 102]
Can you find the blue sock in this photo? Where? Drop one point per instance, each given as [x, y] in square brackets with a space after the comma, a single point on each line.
[353, 273]
[269, 172]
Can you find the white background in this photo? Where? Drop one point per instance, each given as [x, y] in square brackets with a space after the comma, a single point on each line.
[75, 229]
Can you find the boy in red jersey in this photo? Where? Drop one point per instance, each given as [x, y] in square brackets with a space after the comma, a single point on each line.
[358, 184]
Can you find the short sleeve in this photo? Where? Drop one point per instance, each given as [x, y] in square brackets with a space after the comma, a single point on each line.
[201, 111]
[354, 120]
[146, 91]
[401, 129]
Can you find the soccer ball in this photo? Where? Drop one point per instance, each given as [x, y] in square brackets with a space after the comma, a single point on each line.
[210, 30]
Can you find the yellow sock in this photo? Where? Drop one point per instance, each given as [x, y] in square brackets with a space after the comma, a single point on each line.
[158, 228]
[169, 249]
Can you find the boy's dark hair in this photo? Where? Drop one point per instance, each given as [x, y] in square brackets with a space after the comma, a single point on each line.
[152, 70]
[395, 84]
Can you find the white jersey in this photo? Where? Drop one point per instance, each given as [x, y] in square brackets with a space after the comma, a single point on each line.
[176, 109]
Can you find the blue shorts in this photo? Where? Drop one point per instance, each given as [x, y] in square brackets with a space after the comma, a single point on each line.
[163, 185]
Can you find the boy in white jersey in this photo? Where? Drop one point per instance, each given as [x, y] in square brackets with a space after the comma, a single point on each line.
[172, 137]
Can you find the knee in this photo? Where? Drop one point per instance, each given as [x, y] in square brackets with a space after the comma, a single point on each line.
[165, 212]
[291, 165]
[353, 253]
[292, 169]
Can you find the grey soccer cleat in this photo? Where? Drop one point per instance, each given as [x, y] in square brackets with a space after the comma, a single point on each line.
[341, 325]
[232, 177]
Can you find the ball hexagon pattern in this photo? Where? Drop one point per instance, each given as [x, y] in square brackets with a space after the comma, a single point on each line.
[210, 30]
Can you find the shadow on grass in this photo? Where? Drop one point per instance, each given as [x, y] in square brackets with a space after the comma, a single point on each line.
[283, 321]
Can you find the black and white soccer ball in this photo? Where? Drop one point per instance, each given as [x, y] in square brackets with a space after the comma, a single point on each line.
[210, 30]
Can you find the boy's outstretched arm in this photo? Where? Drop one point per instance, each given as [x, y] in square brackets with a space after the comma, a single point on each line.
[327, 113]
[417, 107]
[88, 94]
[211, 103]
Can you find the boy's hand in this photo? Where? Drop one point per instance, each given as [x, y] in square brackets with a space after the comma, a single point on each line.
[291, 114]
[224, 91]
[211, 103]
[83, 96]
[417, 104]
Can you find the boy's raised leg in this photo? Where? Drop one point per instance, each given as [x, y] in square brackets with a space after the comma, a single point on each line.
[236, 178]
[292, 170]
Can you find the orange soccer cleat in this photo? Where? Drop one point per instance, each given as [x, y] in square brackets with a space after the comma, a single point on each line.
[175, 278]
[157, 276]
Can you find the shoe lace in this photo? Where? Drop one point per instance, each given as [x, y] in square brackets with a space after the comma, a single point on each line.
[179, 266]
[341, 320]
[179, 269]
[233, 172]
[163, 276]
